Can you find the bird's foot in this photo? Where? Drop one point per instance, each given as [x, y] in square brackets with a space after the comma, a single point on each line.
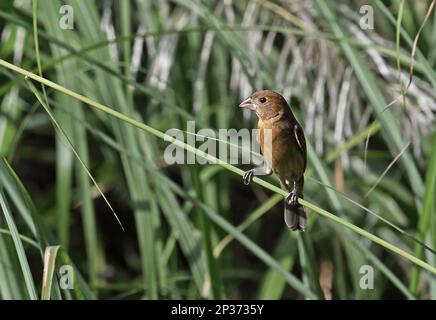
[248, 176]
[292, 198]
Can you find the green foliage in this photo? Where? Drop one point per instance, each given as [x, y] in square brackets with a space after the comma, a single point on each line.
[84, 134]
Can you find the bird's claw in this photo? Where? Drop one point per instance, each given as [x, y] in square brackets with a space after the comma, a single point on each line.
[248, 177]
[292, 198]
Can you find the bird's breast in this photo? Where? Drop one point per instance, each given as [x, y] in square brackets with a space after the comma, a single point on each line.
[280, 149]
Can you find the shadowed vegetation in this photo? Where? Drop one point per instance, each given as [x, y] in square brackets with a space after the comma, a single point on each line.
[82, 141]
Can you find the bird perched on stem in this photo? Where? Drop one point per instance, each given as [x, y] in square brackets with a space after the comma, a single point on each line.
[283, 146]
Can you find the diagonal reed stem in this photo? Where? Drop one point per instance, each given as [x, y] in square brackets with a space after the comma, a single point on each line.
[217, 161]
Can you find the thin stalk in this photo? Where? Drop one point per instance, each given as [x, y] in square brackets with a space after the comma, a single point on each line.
[426, 215]
[217, 161]
[205, 227]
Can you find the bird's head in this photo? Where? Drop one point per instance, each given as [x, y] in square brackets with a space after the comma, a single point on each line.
[267, 104]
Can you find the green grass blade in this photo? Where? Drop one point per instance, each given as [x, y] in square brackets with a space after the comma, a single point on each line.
[49, 269]
[252, 217]
[389, 127]
[206, 231]
[227, 166]
[273, 284]
[427, 212]
[24, 201]
[24, 264]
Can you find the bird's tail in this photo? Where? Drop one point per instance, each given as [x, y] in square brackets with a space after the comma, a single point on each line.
[295, 217]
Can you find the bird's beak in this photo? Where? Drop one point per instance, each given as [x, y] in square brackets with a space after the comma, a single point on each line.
[248, 104]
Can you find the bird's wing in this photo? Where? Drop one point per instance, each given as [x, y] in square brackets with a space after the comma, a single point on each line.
[301, 140]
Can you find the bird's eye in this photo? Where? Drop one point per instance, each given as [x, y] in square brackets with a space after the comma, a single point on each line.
[262, 100]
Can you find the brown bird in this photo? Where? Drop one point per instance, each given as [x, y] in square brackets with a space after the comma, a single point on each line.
[283, 146]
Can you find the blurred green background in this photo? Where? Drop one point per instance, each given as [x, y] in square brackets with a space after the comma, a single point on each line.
[195, 231]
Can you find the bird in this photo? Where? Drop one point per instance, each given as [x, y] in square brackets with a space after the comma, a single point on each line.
[283, 146]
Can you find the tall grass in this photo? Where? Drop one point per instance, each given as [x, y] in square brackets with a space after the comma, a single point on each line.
[194, 231]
